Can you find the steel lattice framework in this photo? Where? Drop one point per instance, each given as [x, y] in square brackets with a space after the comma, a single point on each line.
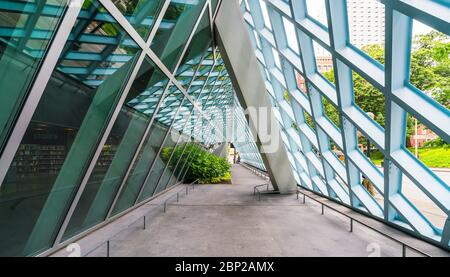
[314, 163]
[128, 79]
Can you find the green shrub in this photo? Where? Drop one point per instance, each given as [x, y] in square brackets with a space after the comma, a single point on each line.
[202, 165]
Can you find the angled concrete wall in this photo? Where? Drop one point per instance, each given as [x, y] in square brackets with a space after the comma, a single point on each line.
[240, 60]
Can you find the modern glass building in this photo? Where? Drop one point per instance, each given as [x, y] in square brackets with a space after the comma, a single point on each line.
[92, 92]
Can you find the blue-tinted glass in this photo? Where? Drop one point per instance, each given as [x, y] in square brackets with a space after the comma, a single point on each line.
[63, 134]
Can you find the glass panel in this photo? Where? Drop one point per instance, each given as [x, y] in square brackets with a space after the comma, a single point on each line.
[62, 136]
[152, 144]
[317, 11]
[24, 37]
[142, 14]
[119, 149]
[181, 152]
[165, 155]
[214, 5]
[366, 20]
[195, 52]
[174, 31]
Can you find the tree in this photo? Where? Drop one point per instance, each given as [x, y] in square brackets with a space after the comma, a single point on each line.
[367, 97]
[430, 72]
[430, 66]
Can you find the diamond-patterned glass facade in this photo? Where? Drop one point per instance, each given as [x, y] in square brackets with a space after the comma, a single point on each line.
[310, 66]
[92, 93]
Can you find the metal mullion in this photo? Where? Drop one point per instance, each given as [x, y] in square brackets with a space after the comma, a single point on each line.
[335, 29]
[146, 49]
[123, 22]
[176, 166]
[138, 150]
[171, 155]
[213, 86]
[189, 159]
[145, 45]
[30, 23]
[183, 149]
[159, 151]
[183, 170]
[158, 21]
[198, 68]
[211, 25]
[178, 163]
[37, 89]
[188, 42]
[108, 129]
[98, 151]
[311, 169]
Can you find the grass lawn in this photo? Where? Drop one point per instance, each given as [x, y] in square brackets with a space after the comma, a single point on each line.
[377, 157]
[431, 157]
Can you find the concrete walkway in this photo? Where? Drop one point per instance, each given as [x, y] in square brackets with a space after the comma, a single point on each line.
[227, 220]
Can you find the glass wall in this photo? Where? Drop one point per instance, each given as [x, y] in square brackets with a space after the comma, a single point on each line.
[25, 33]
[119, 149]
[97, 141]
[362, 64]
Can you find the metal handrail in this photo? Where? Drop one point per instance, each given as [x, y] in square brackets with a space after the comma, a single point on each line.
[352, 220]
[178, 194]
[143, 218]
[258, 172]
[256, 189]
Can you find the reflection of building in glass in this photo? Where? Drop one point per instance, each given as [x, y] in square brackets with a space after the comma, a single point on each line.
[366, 22]
[324, 64]
[423, 135]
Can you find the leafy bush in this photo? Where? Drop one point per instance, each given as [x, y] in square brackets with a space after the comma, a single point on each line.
[202, 165]
[438, 142]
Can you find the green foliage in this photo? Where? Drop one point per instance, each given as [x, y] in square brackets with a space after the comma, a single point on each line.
[436, 143]
[286, 96]
[434, 157]
[377, 157]
[226, 179]
[434, 154]
[430, 66]
[430, 72]
[376, 51]
[202, 165]
[309, 120]
[331, 111]
[367, 97]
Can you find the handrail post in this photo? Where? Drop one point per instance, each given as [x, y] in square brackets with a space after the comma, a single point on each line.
[351, 225]
[403, 250]
[178, 197]
[107, 248]
[145, 222]
[322, 209]
[304, 199]
[187, 190]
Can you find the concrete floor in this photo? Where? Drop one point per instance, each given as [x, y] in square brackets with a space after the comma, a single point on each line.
[226, 220]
